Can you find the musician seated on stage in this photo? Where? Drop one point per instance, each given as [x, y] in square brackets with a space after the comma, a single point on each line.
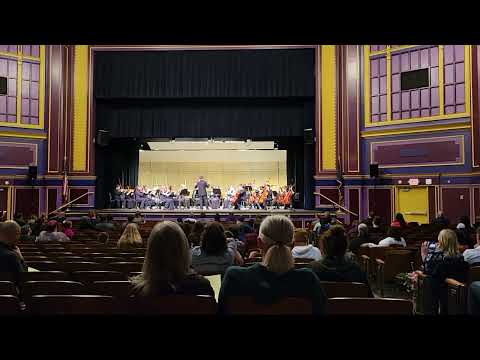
[336, 264]
[215, 254]
[302, 249]
[167, 267]
[130, 238]
[275, 277]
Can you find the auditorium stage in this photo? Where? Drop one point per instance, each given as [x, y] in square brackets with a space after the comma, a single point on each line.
[297, 215]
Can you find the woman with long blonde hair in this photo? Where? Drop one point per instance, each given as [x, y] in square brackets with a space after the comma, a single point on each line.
[166, 268]
[130, 238]
[275, 277]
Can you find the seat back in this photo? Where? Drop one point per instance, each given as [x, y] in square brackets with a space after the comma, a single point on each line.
[83, 266]
[125, 266]
[172, 305]
[44, 265]
[8, 288]
[59, 287]
[9, 305]
[72, 305]
[116, 289]
[246, 305]
[474, 274]
[303, 260]
[43, 276]
[369, 306]
[424, 299]
[335, 289]
[396, 261]
[89, 277]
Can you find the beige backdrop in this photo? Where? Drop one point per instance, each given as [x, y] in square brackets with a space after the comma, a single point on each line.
[220, 167]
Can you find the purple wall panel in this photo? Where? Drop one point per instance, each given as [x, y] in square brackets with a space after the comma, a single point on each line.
[456, 202]
[16, 154]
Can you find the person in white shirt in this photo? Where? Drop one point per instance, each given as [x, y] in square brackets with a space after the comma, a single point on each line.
[394, 237]
[302, 249]
[472, 256]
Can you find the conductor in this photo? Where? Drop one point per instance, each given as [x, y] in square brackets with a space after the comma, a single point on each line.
[202, 186]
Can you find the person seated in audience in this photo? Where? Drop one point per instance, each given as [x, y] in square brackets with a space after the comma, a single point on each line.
[369, 220]
[26, 234]
[139, 219]
[302, 249]
[105, 223]
[18, 218]
[243, 228]
[428, 248]
[58, 216]
[361, 238]
[11, 259]
[323, 225]
[67, 229]
[473, 301]
[336, 264]
[215, 254]
[275, 278]
[195, 235]
[130, 220]
[130, 238]
[464, 237]
[103, 238]
[89, 221]
[394, 237]
[51, 234]
[240, 246]
[377, 226]
[441, 220]
[466, 221]
[399, 221]
[445, 262]
[38, 225]
[472, 256]
[167, 266]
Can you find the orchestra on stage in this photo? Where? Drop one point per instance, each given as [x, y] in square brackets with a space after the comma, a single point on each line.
[203, 196]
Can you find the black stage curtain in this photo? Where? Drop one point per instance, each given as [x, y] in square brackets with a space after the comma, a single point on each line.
[205, 74]
[205, 118]
[116, 163]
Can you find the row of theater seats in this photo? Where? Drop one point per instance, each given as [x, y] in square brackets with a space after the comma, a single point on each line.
[102, 292]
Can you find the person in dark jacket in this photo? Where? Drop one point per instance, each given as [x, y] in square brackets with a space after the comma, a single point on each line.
[441, 220]
[336, 265]
[167, 266]
[11, 259]
[275, 277]
[445, 262]
[361, 238]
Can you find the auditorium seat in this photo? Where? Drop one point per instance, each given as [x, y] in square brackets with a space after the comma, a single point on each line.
[35, 258]
[424, 300]
[172, 305]
[9, 305]
[83, 266]
[457, 292]
[369, 306]
[302, 265]
[72, 305]
[253, 260]
[8, 288]
[108, 259]
[117, 289]
[58, 287]
[56, 254]
[344, 289]
[245, 305]
[89, 277]
[65, 259]
[395, 262]
[303, 260]
[44, 265]
[6, 276]
[43, 276]
[125, 266]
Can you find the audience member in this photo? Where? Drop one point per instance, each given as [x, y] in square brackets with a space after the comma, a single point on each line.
[464, 236]
[11, 259]
[67, 229]
[377, 225]
[130, 220]
[441, 220]
[394, 237]
[38, 225]
[369, 220]
[18, 218]
[243, 228]
[105, 223]
[166, 269]
[472, 256]
[446, 262]
[215, 254]
[51, 234]
[103, 238]
[239, 246]
[130, 238]
[302, 249]
[399, 221]
[323, 224]
[466, 221]
[361, 238]
[26, 234]
[336, 265]
[89, 221]
[275, 277]
[195, 235]
[474, 298]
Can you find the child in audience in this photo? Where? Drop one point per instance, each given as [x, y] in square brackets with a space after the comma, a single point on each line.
[67, 229]
[302, 249]
[166, 269]
[275, 277]
[130, 238]
[336, 265]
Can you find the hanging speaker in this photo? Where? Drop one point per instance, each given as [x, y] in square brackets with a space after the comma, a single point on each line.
[373, 170]
[32, 172]
[103, 138]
